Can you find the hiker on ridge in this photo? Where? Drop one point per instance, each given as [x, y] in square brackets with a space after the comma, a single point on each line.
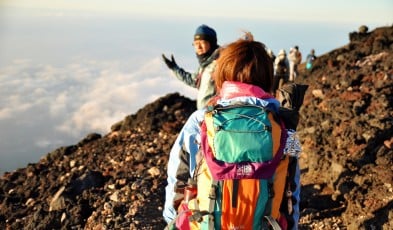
[206, 49]
[244, 74]
[310, 60]
[295, 58]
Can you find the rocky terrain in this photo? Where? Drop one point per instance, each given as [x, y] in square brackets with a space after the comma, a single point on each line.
[117, 180]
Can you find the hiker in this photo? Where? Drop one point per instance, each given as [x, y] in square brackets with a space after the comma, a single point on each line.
[243, 76]
[295, 58]
[206, 49]
[281, 70]
[310, 60]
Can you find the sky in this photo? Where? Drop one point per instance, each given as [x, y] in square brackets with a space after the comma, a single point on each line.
[69, 68]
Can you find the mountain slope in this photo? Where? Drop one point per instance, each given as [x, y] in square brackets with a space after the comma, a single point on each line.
[346, 130]
[116, 181]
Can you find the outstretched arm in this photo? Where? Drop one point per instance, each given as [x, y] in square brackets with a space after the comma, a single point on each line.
[180, 73]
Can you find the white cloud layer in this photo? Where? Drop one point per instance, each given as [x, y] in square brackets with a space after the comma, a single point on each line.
[60, 104]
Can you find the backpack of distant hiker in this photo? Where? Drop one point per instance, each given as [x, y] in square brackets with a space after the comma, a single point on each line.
[282, 67]
[241, 171]
[309, 61]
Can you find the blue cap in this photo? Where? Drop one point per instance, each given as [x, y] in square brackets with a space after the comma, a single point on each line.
[204, 32]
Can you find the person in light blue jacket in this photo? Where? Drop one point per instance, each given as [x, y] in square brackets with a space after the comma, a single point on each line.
[310, 60]
[207, 51]
[244, 73]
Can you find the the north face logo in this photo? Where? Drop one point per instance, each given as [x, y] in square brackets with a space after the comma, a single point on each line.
[244, 170]
[236, 227]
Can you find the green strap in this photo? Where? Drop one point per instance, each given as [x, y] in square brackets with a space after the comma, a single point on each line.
[270, 190]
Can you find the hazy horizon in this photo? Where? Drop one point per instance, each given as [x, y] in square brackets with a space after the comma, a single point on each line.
[67, 70]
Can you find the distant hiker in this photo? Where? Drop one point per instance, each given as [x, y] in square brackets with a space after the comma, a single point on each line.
[232, 184]
[295, 58]
[281, 70]
[310, 59]
[206, 49]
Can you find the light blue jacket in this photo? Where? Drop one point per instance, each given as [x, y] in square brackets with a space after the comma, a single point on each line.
[182, 158]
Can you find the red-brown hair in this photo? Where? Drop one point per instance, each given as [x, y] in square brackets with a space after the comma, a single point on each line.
[244, 61]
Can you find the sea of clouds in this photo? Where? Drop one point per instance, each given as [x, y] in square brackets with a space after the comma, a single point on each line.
[44, 107]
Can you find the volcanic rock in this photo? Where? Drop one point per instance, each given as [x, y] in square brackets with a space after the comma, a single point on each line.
[117, 181]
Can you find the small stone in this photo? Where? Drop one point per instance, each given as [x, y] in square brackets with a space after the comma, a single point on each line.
[154, 171]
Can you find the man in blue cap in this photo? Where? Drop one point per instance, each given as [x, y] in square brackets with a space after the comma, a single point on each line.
[206, 49]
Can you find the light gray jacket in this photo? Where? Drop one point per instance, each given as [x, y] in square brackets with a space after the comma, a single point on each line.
[201, 79]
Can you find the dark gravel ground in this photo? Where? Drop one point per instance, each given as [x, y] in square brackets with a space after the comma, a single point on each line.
[117, 181]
